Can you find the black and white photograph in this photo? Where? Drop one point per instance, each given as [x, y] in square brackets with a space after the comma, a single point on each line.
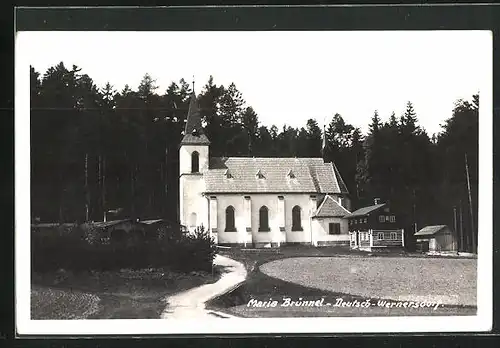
[171, 178]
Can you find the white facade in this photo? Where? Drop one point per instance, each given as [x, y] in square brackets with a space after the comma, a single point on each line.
[193, 209]
[235, 218]
[246, 217]
[322, 236]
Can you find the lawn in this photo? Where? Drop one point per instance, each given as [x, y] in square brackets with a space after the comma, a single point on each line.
[48, 303]
[294, 280]
[124, 294]
[451, 281]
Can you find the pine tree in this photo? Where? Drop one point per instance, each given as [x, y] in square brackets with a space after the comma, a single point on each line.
[314, 138]
[375, 123]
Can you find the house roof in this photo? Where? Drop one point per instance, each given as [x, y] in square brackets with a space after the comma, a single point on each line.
[193, 133]
[330, 208]
[106, 224]
[430, 230]
[52, 224]
[367, 210]
[151, 222]
[312, 175]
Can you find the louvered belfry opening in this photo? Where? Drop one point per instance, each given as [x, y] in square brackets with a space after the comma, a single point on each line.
[195, 162]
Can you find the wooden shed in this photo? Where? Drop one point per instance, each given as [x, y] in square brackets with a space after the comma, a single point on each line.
[120, 230]
[151, 227]
[436, 238]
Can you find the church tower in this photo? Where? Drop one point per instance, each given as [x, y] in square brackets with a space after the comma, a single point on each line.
[193, 162]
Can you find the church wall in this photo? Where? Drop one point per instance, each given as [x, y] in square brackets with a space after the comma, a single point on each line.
[306, 205]
[185, 157]
[192, 200]
[237, 202]
[321, 227]
[271, 201]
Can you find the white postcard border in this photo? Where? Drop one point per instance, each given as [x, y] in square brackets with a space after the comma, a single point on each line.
[25, 326]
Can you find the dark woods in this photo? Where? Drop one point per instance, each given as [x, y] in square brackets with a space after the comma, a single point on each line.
[96, 150]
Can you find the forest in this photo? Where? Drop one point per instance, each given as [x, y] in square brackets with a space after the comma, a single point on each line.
[96, 150]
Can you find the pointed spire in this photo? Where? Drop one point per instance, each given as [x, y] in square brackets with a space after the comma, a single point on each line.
[193, 121]
[193, 133]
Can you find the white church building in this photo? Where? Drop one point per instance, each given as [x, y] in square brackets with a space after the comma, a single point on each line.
[259, 202]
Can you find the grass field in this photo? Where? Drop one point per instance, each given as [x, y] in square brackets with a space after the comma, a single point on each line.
[48, 303]
[108, 295]
[294, 280]
[450, 281]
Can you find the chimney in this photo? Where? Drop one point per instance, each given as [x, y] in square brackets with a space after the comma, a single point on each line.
[376, 201]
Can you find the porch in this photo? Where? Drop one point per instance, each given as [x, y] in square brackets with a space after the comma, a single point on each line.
[371, 240]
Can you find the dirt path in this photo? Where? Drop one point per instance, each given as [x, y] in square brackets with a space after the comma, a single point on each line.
[191, 303]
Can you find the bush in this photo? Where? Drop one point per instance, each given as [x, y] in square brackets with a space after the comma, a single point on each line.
[194, 252]
[87, 247]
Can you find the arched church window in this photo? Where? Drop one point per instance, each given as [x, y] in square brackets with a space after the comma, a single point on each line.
[296, 219]
[192, 220]
[195, 162]
[230, 227]
[264, 219]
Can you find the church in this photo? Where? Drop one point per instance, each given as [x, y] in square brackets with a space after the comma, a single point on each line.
[259, 202]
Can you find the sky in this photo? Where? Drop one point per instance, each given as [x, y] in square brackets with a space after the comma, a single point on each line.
[289, 77]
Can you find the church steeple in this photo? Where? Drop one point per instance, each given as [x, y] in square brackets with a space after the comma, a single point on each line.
[193, 133]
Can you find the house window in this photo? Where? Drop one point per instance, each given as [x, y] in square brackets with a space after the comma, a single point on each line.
[192, 220]
[296, 225]
[394, 236]
[264, 219]
[230, 219]
[366, 220]
[195, 162]
[393, 218]
[381, 218]
[387, 218]
[333, 228]
[380, 236]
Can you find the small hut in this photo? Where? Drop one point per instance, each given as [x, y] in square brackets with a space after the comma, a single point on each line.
[436, 238]
[152, 226]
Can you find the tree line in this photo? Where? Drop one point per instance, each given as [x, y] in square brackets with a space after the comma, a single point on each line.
[96, 150]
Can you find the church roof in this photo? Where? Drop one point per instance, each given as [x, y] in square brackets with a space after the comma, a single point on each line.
[311, 175]
[330, 208]
[193, 133]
